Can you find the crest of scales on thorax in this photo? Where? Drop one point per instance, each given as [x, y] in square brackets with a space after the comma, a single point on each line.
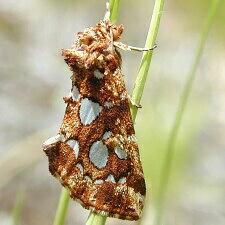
[95, 154]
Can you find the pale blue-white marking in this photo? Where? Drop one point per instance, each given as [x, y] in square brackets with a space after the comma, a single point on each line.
[98, 74]
[99, 181]
[99, 154]
[107, 135]
[88, 179]
[120, 153]
[108, 104]
[117, 121]
[75, 93]
[123, 95]
[110, 178]
[53, 140]
[80, 167]
[74, 145]
[89, 111]
[122, 180]
[132, 138]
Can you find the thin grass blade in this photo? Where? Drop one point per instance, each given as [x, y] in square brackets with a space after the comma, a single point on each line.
[166, 168]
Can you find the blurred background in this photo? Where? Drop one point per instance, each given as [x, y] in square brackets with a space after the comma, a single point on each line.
[34, 78]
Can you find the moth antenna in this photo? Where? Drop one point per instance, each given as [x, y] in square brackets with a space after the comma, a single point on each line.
[107, 14]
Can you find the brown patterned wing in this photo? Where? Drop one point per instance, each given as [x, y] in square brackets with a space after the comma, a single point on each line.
[95, 155]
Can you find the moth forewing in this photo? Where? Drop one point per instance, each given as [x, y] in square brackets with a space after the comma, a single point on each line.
[96, 156]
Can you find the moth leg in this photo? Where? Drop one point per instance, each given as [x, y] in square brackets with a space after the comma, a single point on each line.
[133, 103]
[131, 48]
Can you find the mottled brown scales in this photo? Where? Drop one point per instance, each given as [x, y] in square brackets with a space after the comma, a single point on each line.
[95, 154]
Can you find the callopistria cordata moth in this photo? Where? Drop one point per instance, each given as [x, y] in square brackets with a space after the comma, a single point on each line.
[95, 154]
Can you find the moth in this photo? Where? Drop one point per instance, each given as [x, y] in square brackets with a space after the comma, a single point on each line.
[95, 153]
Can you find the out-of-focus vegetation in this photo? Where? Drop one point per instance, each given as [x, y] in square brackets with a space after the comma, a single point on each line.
[34, 78]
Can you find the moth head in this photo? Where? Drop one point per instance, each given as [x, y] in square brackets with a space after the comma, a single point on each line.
[117, 31]
[100, 33]
[94, 47]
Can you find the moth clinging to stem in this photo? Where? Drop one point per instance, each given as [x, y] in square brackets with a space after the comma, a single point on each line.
[95, 153]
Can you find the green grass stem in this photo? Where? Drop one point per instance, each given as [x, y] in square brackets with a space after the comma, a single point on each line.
[61, 212]
[17, 210]
[167, 164]
[114, 10]
[147, 57]
[96, 219]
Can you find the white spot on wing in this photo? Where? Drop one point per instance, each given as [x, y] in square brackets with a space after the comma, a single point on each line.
[117, 121]
[79, 53]
[110, 178]
[76, 124]
[99, 154]
[132, 138]
[53, 140]
[74, 145]
[98, 74]
[75, 93]
[63, 172]
[122, 180]
[80, 167]
[107, 135]
[87, 178]
[120, 153]
[89, 111]
[99, 181]
[123, 95]
[108, 104]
